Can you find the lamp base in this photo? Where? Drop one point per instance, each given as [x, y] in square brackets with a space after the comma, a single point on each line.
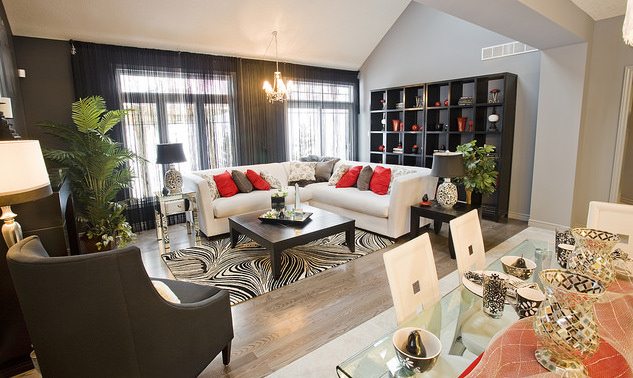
[11, 230]
[447, 194]
[173, 180]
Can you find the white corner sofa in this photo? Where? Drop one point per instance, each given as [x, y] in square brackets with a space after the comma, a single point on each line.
[387, 215]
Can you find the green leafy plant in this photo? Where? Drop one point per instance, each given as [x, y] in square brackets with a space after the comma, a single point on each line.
[97, 169]
[481, 176]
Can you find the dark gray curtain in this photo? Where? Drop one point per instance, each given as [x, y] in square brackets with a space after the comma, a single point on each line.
[259, 125]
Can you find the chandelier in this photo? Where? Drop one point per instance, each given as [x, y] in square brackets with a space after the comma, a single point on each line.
[278, 91]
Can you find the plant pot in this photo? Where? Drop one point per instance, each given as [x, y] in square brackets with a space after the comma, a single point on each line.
[90, 244]
[278, 203]
[474, 198]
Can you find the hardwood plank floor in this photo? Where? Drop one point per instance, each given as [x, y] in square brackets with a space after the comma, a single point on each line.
[281, 326]
[276, 328]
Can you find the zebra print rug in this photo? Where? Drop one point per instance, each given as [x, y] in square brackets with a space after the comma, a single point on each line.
[245, 270]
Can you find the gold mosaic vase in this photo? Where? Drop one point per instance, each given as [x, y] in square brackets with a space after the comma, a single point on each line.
[592, 256]
[565, 323]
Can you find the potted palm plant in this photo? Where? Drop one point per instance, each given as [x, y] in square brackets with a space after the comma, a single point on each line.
[481, 177]
[97, 168]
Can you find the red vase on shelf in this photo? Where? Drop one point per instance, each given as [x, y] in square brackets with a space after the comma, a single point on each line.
[446, 102]
[381, 148]
[415, 128]
[470, 126]
[396, 124]
[461, 123]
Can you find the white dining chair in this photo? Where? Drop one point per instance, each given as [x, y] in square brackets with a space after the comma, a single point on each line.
[412, 277]
[613, 217]
[474, 328]
[415, 288]
[468, 242]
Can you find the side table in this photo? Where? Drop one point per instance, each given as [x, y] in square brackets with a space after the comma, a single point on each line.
[439, 215]
[175, 204]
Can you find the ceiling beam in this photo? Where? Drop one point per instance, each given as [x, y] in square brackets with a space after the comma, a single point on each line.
[542, 24]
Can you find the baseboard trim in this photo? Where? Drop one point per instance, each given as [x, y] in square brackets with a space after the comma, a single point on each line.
[519, 216]
[545, 225]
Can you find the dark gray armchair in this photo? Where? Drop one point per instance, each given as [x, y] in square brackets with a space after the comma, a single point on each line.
[98, 315]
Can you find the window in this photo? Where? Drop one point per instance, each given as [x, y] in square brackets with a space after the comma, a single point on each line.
[320, 119]
[176, 108]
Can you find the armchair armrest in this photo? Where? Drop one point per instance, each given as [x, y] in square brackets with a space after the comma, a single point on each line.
[407, 191]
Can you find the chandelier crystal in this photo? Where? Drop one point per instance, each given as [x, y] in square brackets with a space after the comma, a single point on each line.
[278, 91]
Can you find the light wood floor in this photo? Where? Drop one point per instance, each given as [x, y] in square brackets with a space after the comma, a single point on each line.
[276, 328]
[279, 327]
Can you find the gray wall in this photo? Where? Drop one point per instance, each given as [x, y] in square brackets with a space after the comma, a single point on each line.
[609, 55]
[626, 178]
[557, 134]
[426, 45]
[47, 89]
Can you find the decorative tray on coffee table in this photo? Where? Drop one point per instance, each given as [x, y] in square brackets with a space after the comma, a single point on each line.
[287, 217]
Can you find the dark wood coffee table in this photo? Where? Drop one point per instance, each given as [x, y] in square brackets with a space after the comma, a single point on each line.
[439, 215]
[276, 237]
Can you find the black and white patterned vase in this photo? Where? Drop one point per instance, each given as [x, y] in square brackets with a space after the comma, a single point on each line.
[494, 295]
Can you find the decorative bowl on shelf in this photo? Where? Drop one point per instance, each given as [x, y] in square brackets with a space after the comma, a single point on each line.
[402, 343]
[513, 267]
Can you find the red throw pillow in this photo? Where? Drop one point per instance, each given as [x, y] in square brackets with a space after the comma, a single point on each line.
[226, 185]
[380, 180]
[257, 180]
[350, 177]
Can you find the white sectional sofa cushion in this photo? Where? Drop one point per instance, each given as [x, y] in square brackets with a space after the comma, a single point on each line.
[387, 215]
[364, 201]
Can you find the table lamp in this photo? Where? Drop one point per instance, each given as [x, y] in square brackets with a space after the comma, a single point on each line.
[23, 178]
[447, 165]
[170, 153]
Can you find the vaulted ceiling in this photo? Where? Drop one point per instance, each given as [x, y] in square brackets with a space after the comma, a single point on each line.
[329, 33]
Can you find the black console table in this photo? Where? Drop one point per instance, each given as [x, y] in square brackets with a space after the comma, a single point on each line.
[439, 215]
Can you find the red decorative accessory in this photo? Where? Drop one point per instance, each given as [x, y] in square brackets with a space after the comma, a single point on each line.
[226, 185]
[415, 127]
[350, 177]
[381, 148]
[446, 102]
[380, 180]
[258, 182]
[437, 103]
[396, 124]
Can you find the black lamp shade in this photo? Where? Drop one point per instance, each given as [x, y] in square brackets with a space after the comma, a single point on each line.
[168, 153]
[448, 164]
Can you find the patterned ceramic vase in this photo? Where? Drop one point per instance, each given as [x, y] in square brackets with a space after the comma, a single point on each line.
[564, 243]
[565, 323]
[494, 295]
[592, 254]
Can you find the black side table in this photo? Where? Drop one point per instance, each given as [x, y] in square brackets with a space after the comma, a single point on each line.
[439, 215]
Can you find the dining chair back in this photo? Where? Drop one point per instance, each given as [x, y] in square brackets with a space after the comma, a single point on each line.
[613, 217]
[468, 242]
[412, 277]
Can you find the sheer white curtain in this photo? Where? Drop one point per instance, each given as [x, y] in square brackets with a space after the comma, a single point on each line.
[320, 119]
[194, 110]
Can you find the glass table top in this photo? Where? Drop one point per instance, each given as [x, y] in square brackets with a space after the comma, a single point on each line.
[444, 319]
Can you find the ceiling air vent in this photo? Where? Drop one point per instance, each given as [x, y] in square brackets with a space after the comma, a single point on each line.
[499, 51]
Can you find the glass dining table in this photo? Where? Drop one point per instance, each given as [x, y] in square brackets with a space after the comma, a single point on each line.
[445, 320]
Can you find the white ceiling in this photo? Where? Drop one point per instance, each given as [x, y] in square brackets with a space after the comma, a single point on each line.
[601, 9]
[328, 33]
